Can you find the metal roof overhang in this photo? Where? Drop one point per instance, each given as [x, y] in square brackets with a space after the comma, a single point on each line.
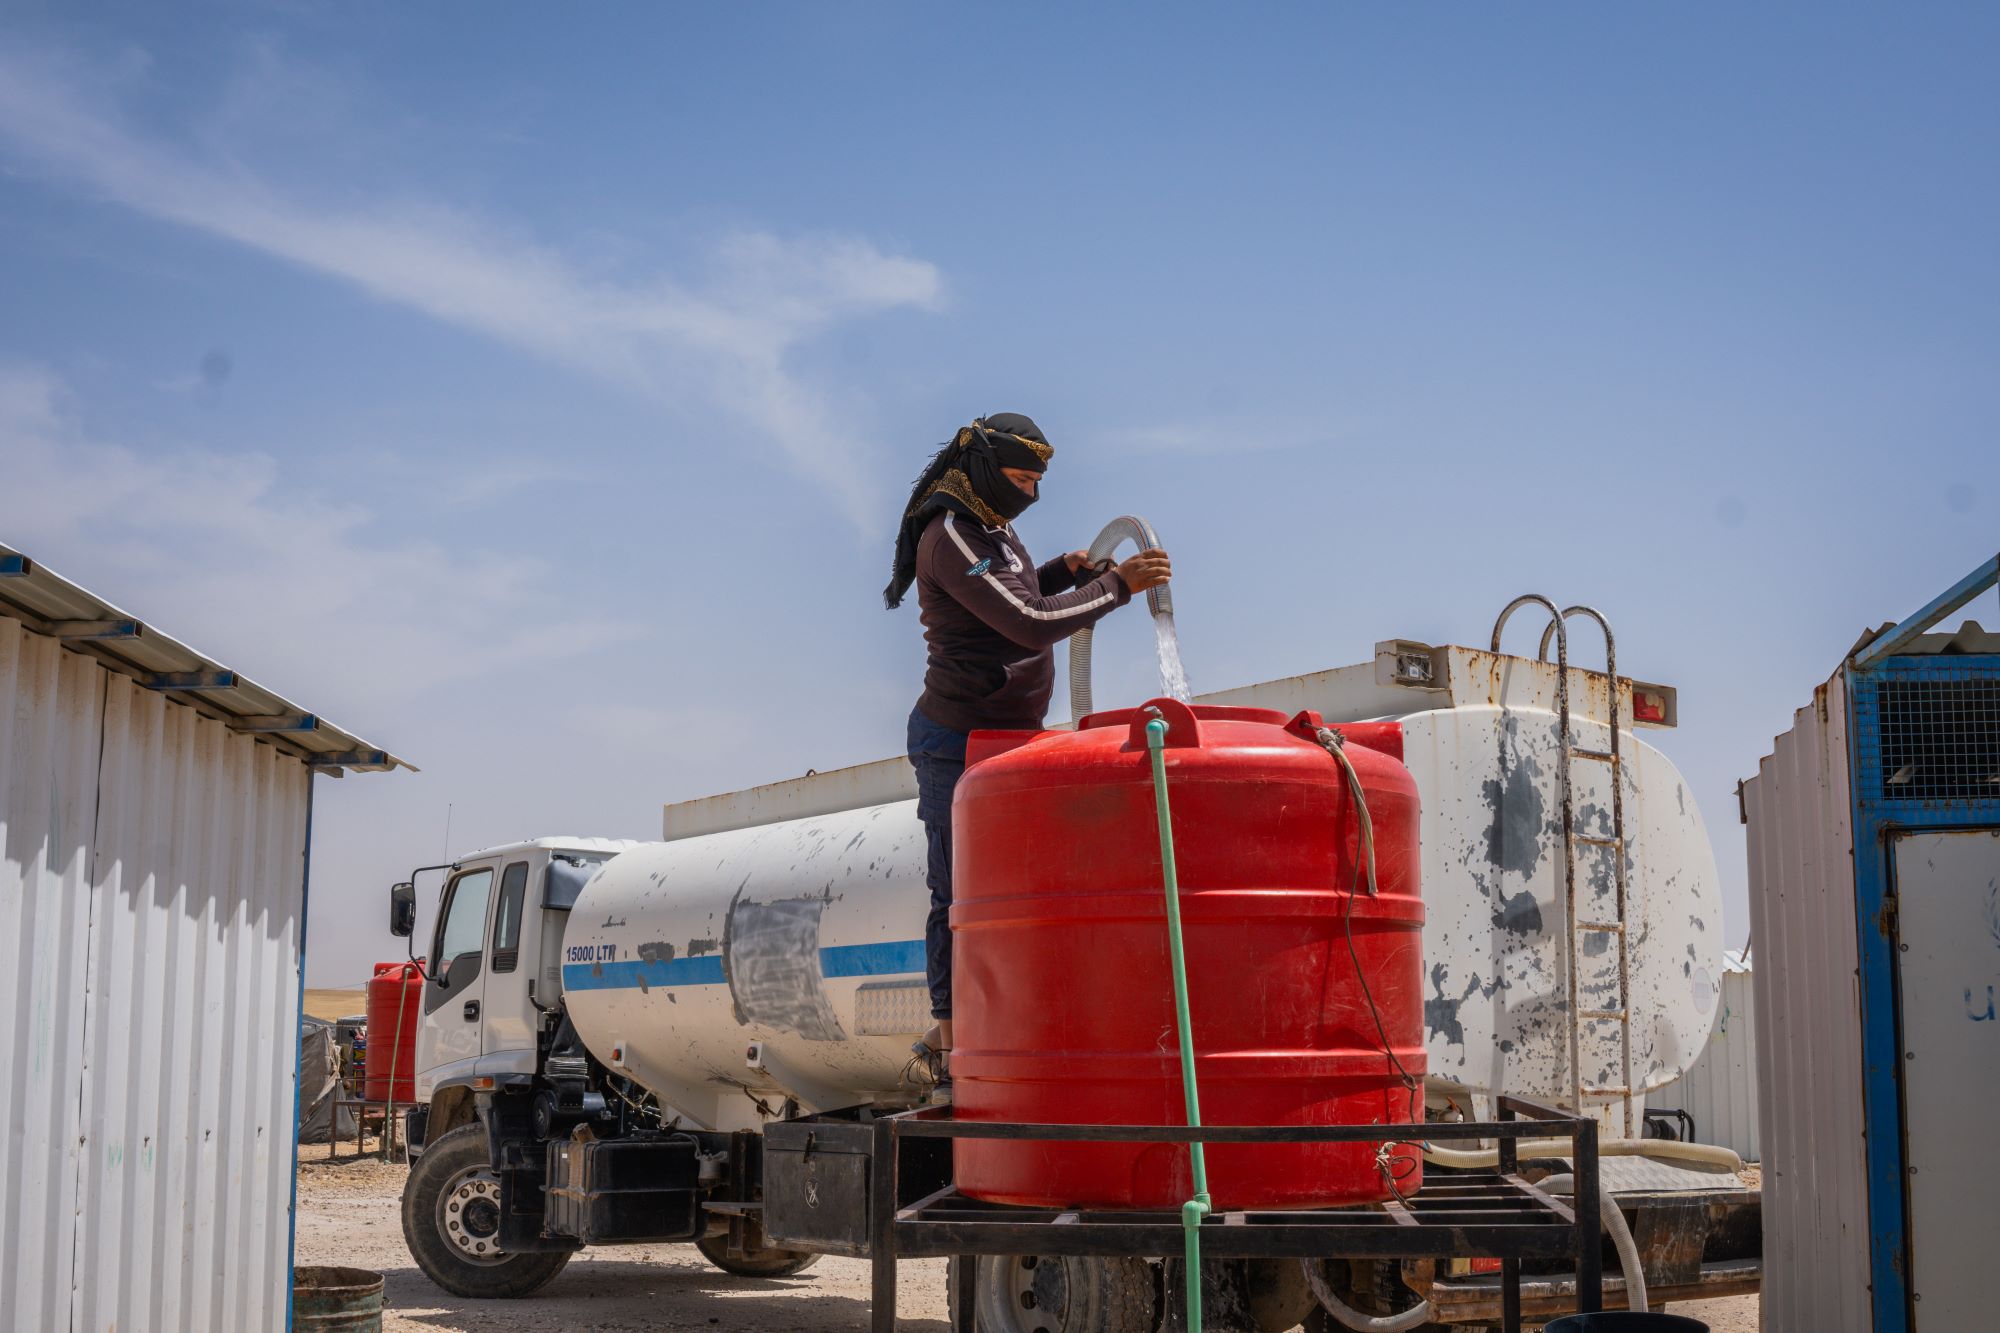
[50, 604]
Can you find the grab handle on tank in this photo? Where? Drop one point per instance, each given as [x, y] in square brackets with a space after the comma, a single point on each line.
[1159, 601]
[1183, 728]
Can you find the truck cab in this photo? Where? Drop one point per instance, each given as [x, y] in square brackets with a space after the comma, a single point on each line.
[495, 968]
[505, 1092]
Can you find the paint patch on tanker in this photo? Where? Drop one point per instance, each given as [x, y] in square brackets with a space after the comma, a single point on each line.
[1600, 879]
[1596, 942]
[1441, 1011]
[1520, 914]
[1514, 840]
[696, 948]
[770, 958]
[656, 951]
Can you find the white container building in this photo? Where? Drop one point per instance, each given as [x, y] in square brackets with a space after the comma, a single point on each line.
[1719, 1090]
[155, 820]
[1874, 843]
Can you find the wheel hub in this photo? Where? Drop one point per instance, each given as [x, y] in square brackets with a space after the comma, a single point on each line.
[1037, 1294]
[468, 1216]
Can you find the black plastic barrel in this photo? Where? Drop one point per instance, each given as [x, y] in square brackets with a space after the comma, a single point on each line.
[1625, 1321]
[344, 1299]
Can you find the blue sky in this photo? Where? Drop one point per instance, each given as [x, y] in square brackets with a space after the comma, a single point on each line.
[535, 396]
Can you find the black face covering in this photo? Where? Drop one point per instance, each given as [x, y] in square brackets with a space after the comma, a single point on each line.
[982, 466]
[965, 476]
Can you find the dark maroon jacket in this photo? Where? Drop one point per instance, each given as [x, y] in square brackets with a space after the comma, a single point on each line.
[991, 618]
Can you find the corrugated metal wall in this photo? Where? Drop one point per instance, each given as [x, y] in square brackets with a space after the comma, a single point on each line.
[50, 722]
[1809, 1107]
[150, 903]
[1720, 1089]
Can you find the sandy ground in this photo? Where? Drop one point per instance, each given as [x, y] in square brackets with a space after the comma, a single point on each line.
[333, 1005]
[350, 1214]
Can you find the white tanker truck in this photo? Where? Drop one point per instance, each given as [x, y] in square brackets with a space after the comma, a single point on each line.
[609, 1028]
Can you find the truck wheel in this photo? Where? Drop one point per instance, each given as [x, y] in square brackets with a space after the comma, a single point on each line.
[1065, 1294]
[764, 1261]
[451, 1221]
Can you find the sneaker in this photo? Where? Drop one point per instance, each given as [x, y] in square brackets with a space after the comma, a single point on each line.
[930, 1056]
[941, 1093]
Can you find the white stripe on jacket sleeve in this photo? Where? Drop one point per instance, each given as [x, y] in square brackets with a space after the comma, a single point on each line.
[951, 530]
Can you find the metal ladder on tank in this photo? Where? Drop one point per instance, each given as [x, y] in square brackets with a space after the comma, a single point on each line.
[1578, 928]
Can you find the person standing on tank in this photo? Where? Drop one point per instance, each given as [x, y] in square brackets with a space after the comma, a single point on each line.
[991, 619]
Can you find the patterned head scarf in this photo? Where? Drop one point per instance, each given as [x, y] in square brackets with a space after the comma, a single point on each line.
[965, 477]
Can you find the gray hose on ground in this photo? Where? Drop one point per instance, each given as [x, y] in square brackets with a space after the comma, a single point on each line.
[1158, 600]
[1415, 1317]
[1621, 1238]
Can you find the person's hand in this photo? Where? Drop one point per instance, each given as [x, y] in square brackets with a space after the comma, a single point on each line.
[1148, 569]
[1076, 560]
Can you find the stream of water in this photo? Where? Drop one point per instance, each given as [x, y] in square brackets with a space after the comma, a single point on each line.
[1173, 679]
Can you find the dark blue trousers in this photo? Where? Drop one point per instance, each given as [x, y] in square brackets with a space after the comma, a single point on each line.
[938, 754]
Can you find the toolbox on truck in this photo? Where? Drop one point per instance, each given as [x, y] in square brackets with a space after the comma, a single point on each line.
[624, 1190]
[818, 1181]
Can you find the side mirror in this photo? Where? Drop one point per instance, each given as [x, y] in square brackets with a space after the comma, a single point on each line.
[403, 910]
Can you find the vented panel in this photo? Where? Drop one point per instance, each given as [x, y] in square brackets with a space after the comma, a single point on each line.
[1935, 736]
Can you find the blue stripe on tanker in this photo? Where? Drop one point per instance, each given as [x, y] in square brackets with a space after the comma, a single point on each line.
[898, 958]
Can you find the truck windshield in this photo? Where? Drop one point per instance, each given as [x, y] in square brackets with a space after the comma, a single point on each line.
[568, 873]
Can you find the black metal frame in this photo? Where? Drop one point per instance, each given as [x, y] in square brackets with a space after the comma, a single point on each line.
[1486, 1215]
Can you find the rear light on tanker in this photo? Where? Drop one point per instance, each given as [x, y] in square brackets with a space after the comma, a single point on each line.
[1653, 705]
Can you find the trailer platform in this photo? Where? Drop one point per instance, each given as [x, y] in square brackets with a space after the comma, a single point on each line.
[1493, 1215]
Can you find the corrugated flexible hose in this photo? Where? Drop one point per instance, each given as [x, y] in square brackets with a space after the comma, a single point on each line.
[1613, 1220]
[1159, 602]
[1417, 1316]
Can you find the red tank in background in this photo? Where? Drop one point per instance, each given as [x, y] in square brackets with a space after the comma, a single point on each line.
[395, 1012]
[1063, 990]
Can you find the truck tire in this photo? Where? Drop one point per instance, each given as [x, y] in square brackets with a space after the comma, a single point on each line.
[1065, 1294]
[765, 1261]
[450, 1215]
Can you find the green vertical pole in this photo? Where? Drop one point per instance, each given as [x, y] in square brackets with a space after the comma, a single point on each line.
[1198, 1207]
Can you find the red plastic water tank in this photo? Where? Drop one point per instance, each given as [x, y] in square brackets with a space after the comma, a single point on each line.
[1063, 988]
[395, 1011]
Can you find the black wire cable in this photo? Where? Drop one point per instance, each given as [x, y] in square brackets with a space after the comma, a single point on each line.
[1335, 744]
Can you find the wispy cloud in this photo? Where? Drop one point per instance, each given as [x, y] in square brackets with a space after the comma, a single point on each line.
[236, 551]
[721, 337]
